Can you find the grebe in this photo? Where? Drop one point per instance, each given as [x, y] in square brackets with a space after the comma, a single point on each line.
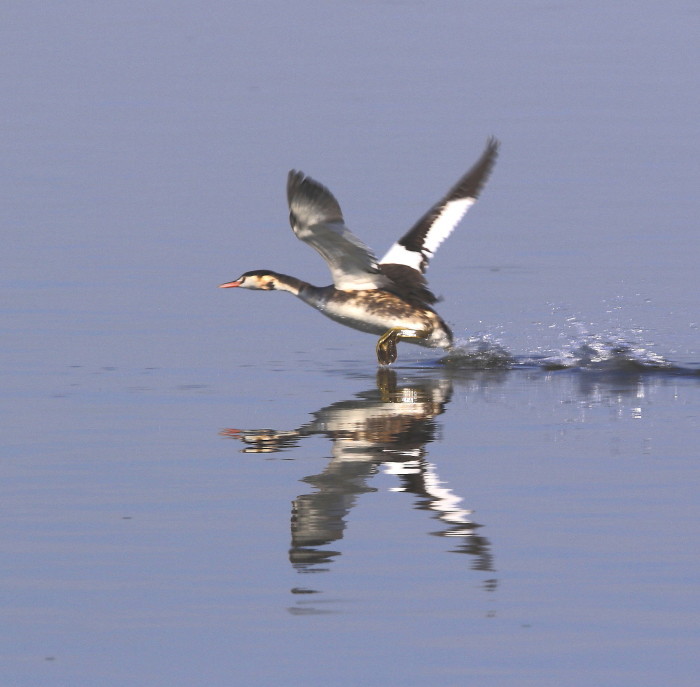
[389, 297]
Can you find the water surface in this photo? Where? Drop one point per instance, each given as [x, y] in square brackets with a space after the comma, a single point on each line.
[215, 488]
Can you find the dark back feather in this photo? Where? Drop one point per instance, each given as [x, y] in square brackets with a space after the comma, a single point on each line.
[408, 283]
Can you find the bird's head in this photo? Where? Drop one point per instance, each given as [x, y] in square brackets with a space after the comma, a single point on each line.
[261, 280]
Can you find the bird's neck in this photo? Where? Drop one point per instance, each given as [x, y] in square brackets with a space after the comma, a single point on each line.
[315, 296]
[283, 282]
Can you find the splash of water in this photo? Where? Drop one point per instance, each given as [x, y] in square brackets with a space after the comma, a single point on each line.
[606, 352]
[481, 351]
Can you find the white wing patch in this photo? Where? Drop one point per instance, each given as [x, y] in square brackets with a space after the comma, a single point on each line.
[446, 221]
[400, 255]
[443, 225]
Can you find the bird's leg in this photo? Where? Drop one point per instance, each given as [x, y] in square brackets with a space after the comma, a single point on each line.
[386, 346]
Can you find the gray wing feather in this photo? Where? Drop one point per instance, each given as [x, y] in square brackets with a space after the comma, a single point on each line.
[317, 219]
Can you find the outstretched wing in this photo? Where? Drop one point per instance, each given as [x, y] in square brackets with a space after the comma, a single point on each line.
[316, 219]
[418, 245]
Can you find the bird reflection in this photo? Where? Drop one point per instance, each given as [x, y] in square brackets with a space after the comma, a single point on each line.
[388, 426]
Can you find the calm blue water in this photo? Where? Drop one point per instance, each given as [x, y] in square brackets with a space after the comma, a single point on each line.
[205, 487]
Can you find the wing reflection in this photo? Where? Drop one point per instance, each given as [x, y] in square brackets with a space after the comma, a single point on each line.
[387, 427]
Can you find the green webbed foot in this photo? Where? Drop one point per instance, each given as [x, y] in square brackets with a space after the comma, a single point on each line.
[386, 346]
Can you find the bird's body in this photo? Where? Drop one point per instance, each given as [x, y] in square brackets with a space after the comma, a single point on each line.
[375, 311]
[389, 297]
